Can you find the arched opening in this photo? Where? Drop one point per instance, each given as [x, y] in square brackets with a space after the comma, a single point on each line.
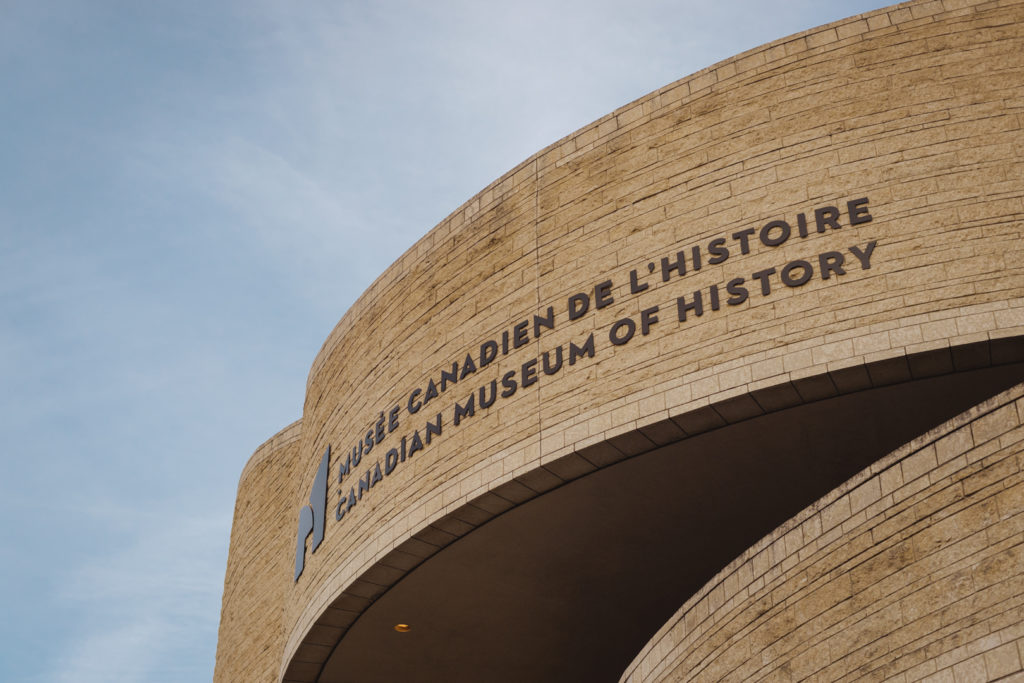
[570, 584]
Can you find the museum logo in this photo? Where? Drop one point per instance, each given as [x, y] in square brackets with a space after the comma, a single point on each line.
[313, 516]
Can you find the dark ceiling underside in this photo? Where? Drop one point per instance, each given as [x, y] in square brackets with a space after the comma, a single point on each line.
[571, 585]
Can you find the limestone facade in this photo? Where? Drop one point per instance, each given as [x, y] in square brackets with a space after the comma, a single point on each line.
[835, 211]
[910, 571]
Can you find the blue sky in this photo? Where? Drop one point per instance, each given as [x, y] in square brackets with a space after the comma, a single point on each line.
[191, 196]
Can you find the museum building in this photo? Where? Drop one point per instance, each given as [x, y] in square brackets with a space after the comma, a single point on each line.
[727, 385]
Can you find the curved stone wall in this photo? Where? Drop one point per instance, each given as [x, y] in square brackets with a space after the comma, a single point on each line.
[252, 632]
[839, 200]
[912, 570]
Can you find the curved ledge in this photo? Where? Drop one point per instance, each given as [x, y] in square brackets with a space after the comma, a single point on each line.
[319, 658]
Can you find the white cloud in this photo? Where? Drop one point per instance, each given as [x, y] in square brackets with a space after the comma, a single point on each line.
[147, 602]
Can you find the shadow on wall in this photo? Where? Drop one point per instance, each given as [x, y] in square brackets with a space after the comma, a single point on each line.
[570, 585]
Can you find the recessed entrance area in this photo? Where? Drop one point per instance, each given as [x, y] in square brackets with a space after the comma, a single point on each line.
[570, 585]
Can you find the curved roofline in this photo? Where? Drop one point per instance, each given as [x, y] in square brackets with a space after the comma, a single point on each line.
[714, 74]
[268, 448]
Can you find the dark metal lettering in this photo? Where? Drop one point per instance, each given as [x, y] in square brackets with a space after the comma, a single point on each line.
[617, 338]
[831, 262]
[579, 351]
[719, 252]
[679, 265]
[547, 321]
[449, 377]
[413, 406]
[488, 401]
[416, 443]
[345, 466]
[603, 294]
[550, 369]
[519, 336]
[431, 392]
[433, 429]
[648, 317]
[578, 305]
[787, 273]
[529, 373]
[864, 256]
[769, 241]
[744, 238]
[858, 211]
[826, 216]
[467, 410]
[801, 224]
[696, 306]
[468, 367]
[488, 352]
[762, 275]
[738, 293]
[634, 286]
[508, 384]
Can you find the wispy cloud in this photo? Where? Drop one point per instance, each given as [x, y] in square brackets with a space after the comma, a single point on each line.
[191, 194]
[147, 602]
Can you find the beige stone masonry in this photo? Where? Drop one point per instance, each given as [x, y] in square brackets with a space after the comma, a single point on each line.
[252, 632]
[918, 108]
[913, 570]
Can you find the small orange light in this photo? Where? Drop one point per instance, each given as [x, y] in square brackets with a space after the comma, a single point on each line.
[403, 628]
